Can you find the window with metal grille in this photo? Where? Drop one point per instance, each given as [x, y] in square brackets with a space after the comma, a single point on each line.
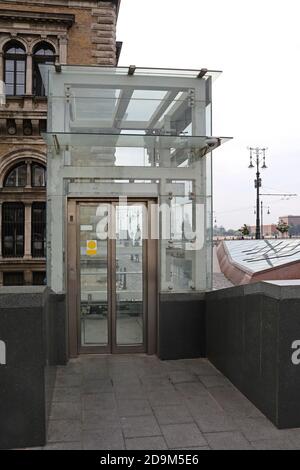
[13, 279]
[13, 229]
[14, 68]
[38, 278]
[38, 230]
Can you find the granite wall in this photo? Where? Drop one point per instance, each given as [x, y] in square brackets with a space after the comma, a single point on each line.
[252, 337]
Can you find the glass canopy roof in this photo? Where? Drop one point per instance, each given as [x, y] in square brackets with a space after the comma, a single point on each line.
[109, 100]
[139, 71]
[136, 150]
[68, 140]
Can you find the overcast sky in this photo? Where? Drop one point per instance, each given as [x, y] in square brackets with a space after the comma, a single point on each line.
[256, 43]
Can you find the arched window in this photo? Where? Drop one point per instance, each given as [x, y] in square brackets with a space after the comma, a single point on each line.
[38, 175]
[14, 68]
[43, 53]
[17, 177]
[21, 176]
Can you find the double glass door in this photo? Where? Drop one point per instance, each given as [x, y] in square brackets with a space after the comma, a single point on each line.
[112, 272]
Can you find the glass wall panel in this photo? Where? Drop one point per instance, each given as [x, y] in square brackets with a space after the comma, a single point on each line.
[183, 242]
[93, 277]
[130, 274]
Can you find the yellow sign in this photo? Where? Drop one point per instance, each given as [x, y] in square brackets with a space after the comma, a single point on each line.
[91, 247]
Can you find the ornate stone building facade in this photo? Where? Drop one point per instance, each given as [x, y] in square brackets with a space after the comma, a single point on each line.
[33, 32]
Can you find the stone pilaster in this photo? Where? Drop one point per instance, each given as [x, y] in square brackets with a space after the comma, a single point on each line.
[63, 47]
[27, 244]
[103, 34]
[28, 89]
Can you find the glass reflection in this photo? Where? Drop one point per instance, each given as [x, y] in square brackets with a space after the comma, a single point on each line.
[93, 278]
[129, 274]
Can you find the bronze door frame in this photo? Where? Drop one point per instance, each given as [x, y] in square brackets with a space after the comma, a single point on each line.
[150, 301]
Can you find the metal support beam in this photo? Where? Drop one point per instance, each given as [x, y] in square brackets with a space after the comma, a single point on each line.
[156, 116]
[122, 105]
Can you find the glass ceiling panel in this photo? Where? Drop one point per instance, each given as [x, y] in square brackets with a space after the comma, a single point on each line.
[143, 104]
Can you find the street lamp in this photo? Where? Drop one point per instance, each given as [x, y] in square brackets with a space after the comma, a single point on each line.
[262, 217]
[259, 156]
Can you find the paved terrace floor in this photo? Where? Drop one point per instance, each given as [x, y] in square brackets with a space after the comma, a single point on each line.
[140, 402]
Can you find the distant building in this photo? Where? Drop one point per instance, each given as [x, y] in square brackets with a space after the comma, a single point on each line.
[267, 230]
[290, 219]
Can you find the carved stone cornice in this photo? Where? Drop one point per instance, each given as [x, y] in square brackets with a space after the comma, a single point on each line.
[37, 17]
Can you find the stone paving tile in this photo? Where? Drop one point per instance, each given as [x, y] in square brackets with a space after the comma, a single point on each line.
[273, 444]
[129, 392]
[134, 408]
[63, 371]
[172, 414]
[179, 376]
[215, 421]
[215, 381]
[70, 394]
[203, 406]
[108, 438]
[201, 367]
[64, 431]
[163, 397]
[153, 383]
[72, 380]
[151, 371]
[140, 426]
[96, 371]
[234, 403]
[174, 365]
[97, 386]
[126, 382]
[293, 435]
[64, 446]
[146, 443]
[91, 375]
[95, 418]
[65, 410]
[183, 435]
[228, 441]
[192, 448]
[100, 401]
[191, 389]
[123, 376]
[220, 281]
[103, 400]
[255, 429]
